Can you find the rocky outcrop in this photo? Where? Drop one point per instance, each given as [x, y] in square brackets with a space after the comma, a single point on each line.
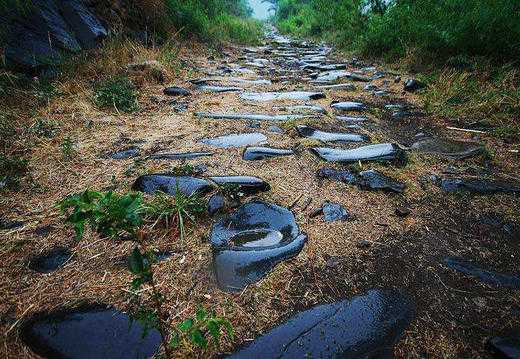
[48, 31]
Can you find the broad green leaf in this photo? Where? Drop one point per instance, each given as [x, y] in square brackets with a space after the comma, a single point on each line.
[175, 341]
[198, 339]
[186, 325]
[201, 314]
[214, 329]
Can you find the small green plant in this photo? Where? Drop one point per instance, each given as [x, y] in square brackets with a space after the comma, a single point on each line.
[108, 213]
[183, 170]
[67, 148]
[118, 93]
[44, 128]
[231, 191]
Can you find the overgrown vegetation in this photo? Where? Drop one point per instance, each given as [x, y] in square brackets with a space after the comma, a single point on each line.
[118, 93]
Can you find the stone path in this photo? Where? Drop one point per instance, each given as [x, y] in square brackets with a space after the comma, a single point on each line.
[280, 121]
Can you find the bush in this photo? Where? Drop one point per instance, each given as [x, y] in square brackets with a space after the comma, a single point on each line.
[117, 92]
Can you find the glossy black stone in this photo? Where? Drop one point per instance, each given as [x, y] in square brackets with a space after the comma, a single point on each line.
[486, 276]
[50, 261]
[244, 184]
[89, 332]
[412, 85]
[452, 149]
[251, 241]
[262, 153]
[169, 183]
[374, 180]
[367, 326]
[349, 106]
[216, 204]
[176, 91]
[238, 140]
[478, 186]
[179, 156]
[506, 347]
[219, 89]
[323, 136]
[379, 152]
[344, 176]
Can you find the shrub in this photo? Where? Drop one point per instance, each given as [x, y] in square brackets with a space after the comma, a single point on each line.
[116, 92]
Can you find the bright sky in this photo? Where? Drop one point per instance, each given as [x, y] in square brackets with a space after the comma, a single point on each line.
[260, 10]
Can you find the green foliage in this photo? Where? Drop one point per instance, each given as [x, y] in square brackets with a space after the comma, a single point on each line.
[67, 148]
[108, 213]
[11, 169]
[197, 330]
[118, 93]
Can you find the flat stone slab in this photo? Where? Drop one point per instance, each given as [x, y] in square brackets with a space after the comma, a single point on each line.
[263, 153]
[375, 180]
[169, 184]
[366, 326]
[448, 148]
[89, 332]
[179, 156]
[280, 96]
[349, 106]
[216, 203]
[50, 261]
[302, 109]
[380, 152]
[334, 212]
[248, 116]
[344, 87]
[352, 119]
[244, 184]
[236, 140]
[219, 89]
[332, 76]
[506, 347]
[310, 132]
[344, 176]
[251, 241]
[487, 276]
[124, 154]
[478, 186]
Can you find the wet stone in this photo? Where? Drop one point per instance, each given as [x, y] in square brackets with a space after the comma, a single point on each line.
[169, 184]
[248, 116]
[352, 119]
[487, 276]
[89, 332]
[302, 109]
[344, 176]
[349, 106]
[262, 153]
[380, 152]
[216, 204]
[412, 85]
[477, 186]
[235, 140]
[332, 76]
[179, 156]
[176, 91]
[343, 87]
[251, 241]
[243, 184]
[506, 347]
[309, 132]
[124, 154]
[374, 180]
[334, 212]
[274, 96]
[366, 326]
[399, 115]
[275, 129]
[219, 89]
[50, 261]
[448, 148]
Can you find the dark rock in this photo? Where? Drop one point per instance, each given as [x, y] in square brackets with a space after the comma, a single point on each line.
[399, 115]
[349, 106]
[333, 262]
[334, 212]
[176, 91]
[251, 241]
[275, 129]
[486, 276]
[274, 96]
[363, 244]
[244, 184]
[7, 224]
[367, 326]
[169, 184]
[309, 132]
[412, 85]
[89, 332]
[374, 180]
[50, 261]
[253, 125]
[262, 153]
[216, 204]
[179, 156]
[379, 152]
[84, 24]
[477, 186]
[43, 231]
[235, 140]
[448, 148]
[403, 211]
[344, 176]
[124, 154]
[219, 89]
[397, 79]
[506, 347]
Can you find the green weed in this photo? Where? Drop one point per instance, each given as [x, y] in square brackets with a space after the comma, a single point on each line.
[118, 93]
[67, 148]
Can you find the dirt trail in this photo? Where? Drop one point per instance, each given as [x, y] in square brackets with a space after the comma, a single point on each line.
[398, 230]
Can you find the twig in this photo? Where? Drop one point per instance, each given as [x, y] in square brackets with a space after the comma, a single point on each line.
[18, 320]
[464, 129]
